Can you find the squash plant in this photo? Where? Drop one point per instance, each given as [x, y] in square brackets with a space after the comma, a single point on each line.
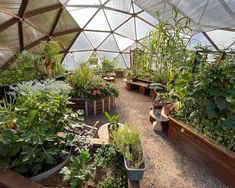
[206, 94]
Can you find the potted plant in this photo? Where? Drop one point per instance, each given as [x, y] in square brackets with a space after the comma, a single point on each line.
[127, 141]
[119, 72]
[131, 75]
[113, 123]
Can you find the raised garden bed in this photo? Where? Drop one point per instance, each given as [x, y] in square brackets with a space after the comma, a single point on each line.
[93, 107]
[218, 160]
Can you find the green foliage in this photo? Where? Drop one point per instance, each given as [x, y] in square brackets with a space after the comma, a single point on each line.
[29, 127]
[106, 160]
[108, 65]
[130, 74]
[165, 48]
[29, 65]
[111, 182]
[113, 120]
[80, 79]
[104, 157]
[127, 141]
[207, 101]
[98, 88]
[79, 171]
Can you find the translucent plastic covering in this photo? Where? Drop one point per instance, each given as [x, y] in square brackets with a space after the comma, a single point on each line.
[109, 28]
[24, 24]
[205, 16]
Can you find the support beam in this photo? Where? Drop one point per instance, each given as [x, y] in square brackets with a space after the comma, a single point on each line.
[36, 42]
[65, 32]
[8, 23]
[22, 9]
[211, 41]
[56, 21]
[42, 10]
[21, 36]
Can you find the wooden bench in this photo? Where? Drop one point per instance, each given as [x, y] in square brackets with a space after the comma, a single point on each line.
[139, 85]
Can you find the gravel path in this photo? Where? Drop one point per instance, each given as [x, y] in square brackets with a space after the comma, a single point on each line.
[167, 165]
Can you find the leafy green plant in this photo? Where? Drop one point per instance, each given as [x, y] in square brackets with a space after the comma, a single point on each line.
[127, 141]
[111, 182]
[108, 65]
[38, 65]
[29, 127]
[79, 170]
[130, 74]
[104, 157]
[113, 120]
[80, 79]
[166, 47]
[206, 96]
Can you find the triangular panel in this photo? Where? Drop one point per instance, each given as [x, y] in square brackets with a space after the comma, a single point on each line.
[223, 39]
[127, 59]
[128, 29]
[115, 18]
[123, 5]
[123, 42]
[107, 55]
[99, 22]
[30, 34]
[96, 38]
[81, 57]
[11, 6]
[200, 39]
[4, 17]
[121, 62]
[36, 4]
[9, 37]
[109, 44]
[44, 21]
[5, 56]
[63, 23]
[82, 2]
[148, 18]
[82, 16]
[81, 43]
[136, 8]
[66, 40]
[142, 28]
[69, 63]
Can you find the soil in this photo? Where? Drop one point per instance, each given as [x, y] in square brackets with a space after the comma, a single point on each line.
[167, 165]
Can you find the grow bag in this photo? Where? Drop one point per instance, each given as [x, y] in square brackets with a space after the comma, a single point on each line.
[93, 107]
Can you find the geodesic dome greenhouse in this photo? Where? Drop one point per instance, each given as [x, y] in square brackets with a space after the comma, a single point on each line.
[117, 93]
[107, 28]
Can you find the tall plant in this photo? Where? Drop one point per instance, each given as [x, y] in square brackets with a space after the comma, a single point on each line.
[166, 45]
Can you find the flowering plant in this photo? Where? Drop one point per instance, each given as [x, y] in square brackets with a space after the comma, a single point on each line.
[98, 88]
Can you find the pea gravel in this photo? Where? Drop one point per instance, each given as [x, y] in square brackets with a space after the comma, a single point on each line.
[168, 166]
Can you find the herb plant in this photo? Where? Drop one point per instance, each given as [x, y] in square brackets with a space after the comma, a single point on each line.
[127, 141]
